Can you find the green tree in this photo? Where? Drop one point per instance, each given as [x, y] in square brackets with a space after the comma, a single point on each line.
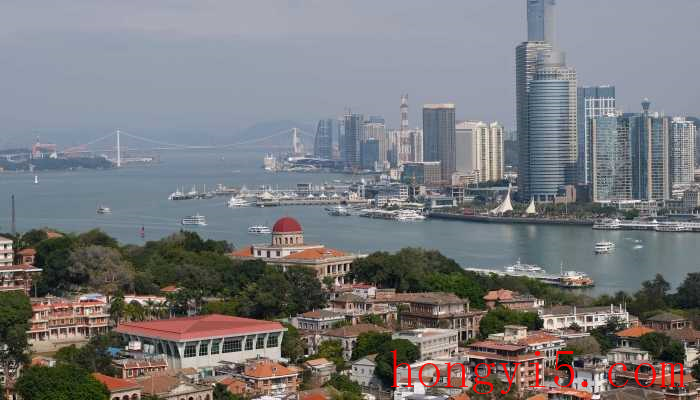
[293, 348]
[221, 393]
[33, 237]
[406, 352]
[225, 307]
[605, 335]
[96, 237]
[651, 297]
[370, 343]
[654, 343]
[350, 390]
[15, 312]
[92, 357]
[695, 371]
[116, 308]
[332, 350]
[62, 382]
[494, 390]
[104, 269]
[688, 294]
[52, 255]
[674, 352]
[496, 319]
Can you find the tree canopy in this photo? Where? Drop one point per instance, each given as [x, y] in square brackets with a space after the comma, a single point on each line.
[495, 320]
[62, 382]
[15, 312]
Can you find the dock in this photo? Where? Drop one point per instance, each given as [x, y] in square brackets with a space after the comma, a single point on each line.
[511, 220]
[559, 280]
[305, 202]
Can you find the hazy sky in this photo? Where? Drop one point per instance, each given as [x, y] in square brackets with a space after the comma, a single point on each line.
[218, 66]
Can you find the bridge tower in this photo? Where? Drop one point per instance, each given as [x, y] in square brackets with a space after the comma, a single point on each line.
[119, 151]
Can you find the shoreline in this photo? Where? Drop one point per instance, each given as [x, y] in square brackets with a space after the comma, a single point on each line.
[511, 220]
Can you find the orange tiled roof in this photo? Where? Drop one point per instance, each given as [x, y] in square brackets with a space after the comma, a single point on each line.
[116, 384]
[500, 294]
[268, 369]
[243, 252]
[170, 289]
[27, 252]
[634, 332]
[320, 253]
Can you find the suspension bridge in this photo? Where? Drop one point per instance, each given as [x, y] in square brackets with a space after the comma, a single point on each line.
[119, 147]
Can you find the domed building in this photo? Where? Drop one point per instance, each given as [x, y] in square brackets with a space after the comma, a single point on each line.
[287, 248]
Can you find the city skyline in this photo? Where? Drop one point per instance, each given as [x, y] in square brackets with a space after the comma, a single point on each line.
[135, 72]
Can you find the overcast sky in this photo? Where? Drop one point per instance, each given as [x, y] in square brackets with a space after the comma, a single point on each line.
[218, 66]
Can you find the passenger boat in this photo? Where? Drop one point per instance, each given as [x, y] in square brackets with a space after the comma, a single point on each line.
[672, 227]
[338, 211]
[104, 210]
[259, 230]
[235, 202]
[194, 220]
[408, 215]
[607, 224]
[525, 268]
[604, 247]
[177, 195]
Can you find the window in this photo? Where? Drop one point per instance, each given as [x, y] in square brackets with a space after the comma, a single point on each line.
[249, 343]
[231, 345]
[190, 350]
[272, 341]
[215, 346]
[204, 348]
[260, 342]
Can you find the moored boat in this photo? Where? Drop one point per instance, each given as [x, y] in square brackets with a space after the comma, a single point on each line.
[259, 230]
[604, 247]
[194, 220]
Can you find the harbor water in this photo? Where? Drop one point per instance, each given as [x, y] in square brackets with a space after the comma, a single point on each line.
[137, 195]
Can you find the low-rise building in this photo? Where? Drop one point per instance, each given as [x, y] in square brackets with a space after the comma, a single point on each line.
[664, 321]
[119, 389]
[534, 341]
[587, 318]
[512, 300]
[362, 371]
[174, 387]
[593, 371]
[690, 339]
[630, 337]
[317, 320]
[25, 256]
[432, 343]
[287, 248]
[628, 355]
[58, 320]
[438, 310]
[434, 381]
[266, 377]
[508, 354]
[347, 335]
[203, 342]
[320, 371]
[7, 255]
[130, 368]
[17, 277]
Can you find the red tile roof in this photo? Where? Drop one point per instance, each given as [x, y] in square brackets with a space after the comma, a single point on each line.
[116, 384]
[170, 289]
[244, 252]
[268, 369]
[634, 332]
[319, 253]
[188, 328]
[286, 225]
[27, 252]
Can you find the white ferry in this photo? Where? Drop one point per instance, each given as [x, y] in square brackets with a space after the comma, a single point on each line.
[235, 202]
[177, 195]
[194, 220]
[408, 215]
[259, 230]
[607, 224]
[604, 247]
[520, 267]
[104, 210]
[338, 211]
[673, 227]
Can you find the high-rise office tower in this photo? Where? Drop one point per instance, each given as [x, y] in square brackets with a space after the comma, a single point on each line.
[611, 169]
[369, 154]
[540, 21]
[416, 140]
[649, 135]
[351, 140]
[591, 102]
[682, 151]
[404, 113]
[552, 127]
[479, 150]
[439, 137]
[374, 128]
[323, 141]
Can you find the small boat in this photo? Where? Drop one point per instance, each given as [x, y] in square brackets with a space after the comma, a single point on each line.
[194, 220]
[607, 224]
[338, 211]
[104, 210]
[177, 195]
[638, 247]
[604, 247]
[259, 230]
[235, 202]
[36, 179]
[409, 215]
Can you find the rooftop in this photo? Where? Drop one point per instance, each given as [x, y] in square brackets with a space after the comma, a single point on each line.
[286, 225]
[116, 384]
[316, 253]
[566, 310]
[435, 298]
[354, 330]
[268, 369]
[634, 332]
[666, 317]
[187, 328]
[321, 314]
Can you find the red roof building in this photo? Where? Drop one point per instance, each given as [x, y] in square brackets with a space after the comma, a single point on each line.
[287, 248]
[203, 342]
[56, 319]
[119, 388]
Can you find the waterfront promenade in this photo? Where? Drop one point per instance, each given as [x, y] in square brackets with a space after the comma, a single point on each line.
[511, 220]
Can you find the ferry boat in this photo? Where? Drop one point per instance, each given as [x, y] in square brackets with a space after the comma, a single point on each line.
[604, 247]
[104, 210]
[564, 279]
[673, 227]
[408, 215]
[259, 230]
[177, 195]
[526, 268]
[235, 202]
[607, 224]
[338, 211]
[194, 220]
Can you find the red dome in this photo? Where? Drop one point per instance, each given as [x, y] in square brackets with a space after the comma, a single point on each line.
[286, 225]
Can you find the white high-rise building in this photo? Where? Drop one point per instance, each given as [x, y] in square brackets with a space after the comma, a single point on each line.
[682, 151]
[479, 150]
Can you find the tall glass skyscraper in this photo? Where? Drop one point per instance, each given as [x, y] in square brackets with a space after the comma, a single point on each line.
[351, 140]
[591, 102]
[611, 177]
[439, 137]
[682, 151]
[552, 127]
[649, 135]
[540, 21]
[323, 141]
